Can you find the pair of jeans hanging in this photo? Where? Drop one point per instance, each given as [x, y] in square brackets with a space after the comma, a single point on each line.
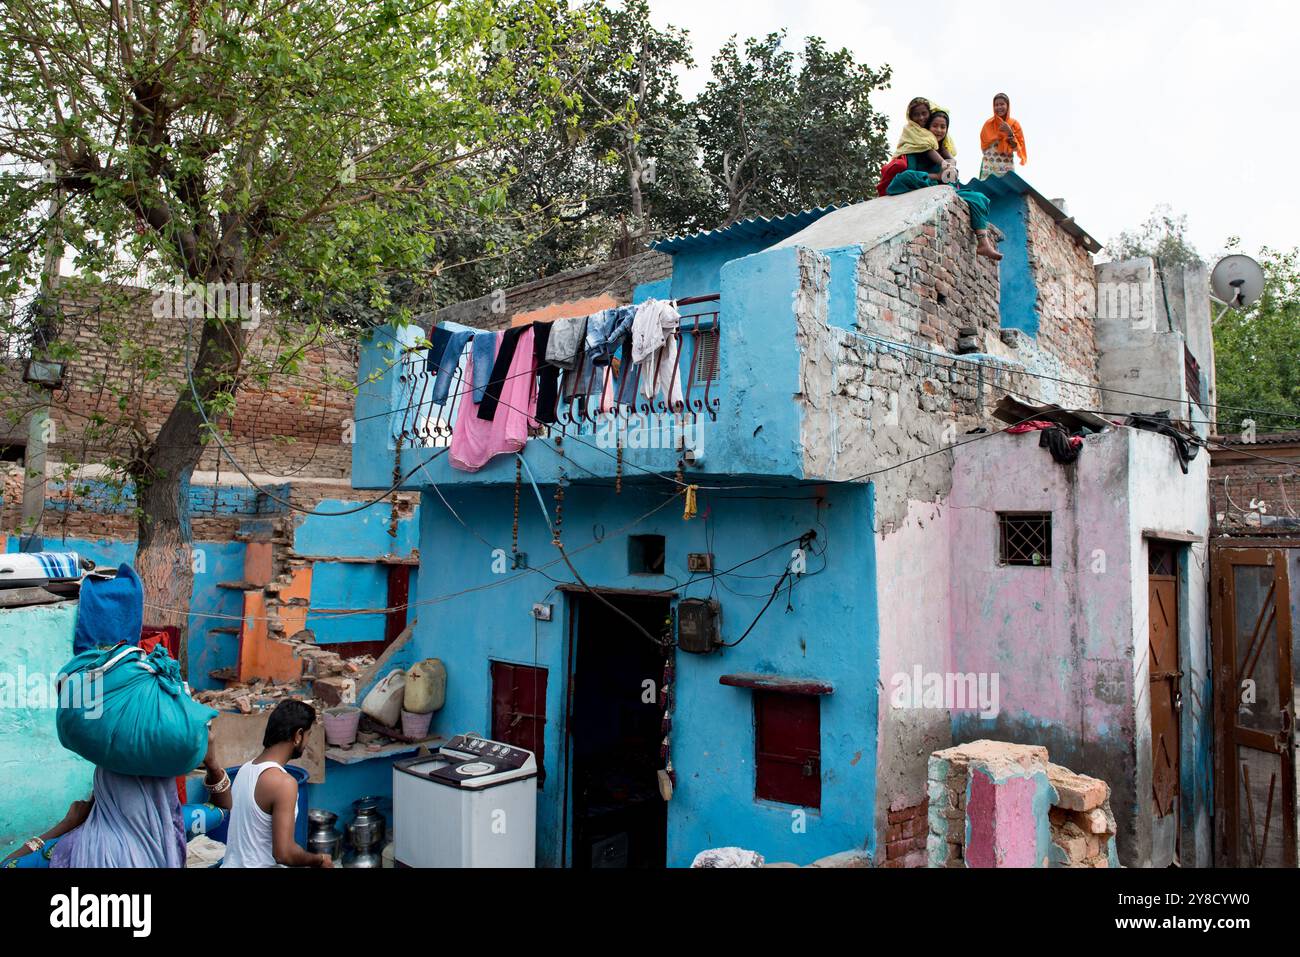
[447, 362]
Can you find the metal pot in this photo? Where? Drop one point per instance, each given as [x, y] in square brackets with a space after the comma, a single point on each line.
[366, 858]
[368, 826]
[322, 838]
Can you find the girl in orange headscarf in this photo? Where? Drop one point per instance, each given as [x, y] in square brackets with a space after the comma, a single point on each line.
[1002, 140]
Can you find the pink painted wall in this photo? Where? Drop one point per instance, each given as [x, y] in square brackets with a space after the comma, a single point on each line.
[1059, 637]
[1004, 825]
[913, 569]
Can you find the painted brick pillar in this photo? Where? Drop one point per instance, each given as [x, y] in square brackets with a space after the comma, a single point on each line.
[1006, 819]
[989, 806]
[995, 804]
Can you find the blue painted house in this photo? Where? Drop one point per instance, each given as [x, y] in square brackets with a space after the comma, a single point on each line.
[806, 504]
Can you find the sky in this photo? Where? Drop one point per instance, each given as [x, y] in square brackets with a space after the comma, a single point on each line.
[1125, 105]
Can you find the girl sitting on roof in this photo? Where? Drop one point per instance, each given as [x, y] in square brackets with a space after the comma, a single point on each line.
[916, 139]
[923, 171]
[1002, 140]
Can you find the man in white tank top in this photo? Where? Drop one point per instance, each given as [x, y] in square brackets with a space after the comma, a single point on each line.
[265, 797]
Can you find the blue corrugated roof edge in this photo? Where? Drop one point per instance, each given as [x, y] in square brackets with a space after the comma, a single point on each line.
[1013, 183]
[776, 227]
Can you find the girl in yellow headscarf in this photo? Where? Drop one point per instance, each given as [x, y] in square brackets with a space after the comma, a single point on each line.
[923, 171]
[915, 142]
[1002, 140]
[917, 138]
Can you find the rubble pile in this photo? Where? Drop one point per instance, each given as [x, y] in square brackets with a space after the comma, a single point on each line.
[328, 680]
[1083, 827]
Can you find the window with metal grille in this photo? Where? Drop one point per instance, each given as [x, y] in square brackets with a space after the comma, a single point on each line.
[1025, 538]
[787, 744]
[519, 709]
[1161, 559]
[706, 355]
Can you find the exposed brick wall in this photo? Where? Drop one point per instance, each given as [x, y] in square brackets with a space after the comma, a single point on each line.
[1066, 280]
[125, 375]
[926, 284]
[293, 427]
[905, 836]
[616, 280]
[1238, 477]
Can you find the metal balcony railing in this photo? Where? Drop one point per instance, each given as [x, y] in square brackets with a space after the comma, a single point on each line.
[422, 423]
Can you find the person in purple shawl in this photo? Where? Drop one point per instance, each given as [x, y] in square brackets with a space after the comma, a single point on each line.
[129, 821]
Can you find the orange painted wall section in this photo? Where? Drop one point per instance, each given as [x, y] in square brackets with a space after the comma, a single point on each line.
[295, 600]
[566, 310]
[261, 656]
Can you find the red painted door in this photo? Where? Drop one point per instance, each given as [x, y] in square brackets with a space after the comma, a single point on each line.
[519, 709]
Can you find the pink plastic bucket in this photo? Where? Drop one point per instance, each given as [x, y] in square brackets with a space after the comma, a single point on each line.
[341, 725]
[416, 725]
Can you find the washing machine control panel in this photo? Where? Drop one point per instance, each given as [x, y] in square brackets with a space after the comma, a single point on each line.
[485, 756]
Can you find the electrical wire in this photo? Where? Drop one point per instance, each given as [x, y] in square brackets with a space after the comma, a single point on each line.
[437, 600]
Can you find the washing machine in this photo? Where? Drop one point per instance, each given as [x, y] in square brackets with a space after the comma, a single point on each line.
[472, 803]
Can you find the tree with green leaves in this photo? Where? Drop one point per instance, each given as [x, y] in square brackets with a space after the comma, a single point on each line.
[1162, 237]
[782, 133]
[314, 149]
[1255, 350]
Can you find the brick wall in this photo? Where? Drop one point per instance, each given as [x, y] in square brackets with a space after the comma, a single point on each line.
[615, 280]
[905, 836]
[129, 369]
[1239, 477]
[126, 372]
[1066, 280]
[926, 284]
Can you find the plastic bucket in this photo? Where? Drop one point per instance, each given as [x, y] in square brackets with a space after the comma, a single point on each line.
[416, 725]
[218, 833]
[341, 725]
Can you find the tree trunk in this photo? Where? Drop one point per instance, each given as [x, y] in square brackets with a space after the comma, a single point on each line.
[164, 551]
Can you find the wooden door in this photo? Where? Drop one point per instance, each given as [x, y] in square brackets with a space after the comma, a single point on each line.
[1255, 760]
[1165, 676]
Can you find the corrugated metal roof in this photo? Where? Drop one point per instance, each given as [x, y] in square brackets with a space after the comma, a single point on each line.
[756, 227]
[1011, 183]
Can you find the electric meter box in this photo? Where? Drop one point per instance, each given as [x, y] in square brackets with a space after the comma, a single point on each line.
[699, 625]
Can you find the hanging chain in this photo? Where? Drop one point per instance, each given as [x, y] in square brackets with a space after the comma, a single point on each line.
[514, 531]
[559, 511]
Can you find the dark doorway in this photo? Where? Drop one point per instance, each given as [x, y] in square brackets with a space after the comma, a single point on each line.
[616, 715]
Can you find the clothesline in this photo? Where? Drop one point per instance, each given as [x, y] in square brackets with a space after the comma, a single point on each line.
[519, 376]
[676, 303]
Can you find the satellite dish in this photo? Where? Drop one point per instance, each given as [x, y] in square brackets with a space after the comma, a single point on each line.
[1237, 281]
